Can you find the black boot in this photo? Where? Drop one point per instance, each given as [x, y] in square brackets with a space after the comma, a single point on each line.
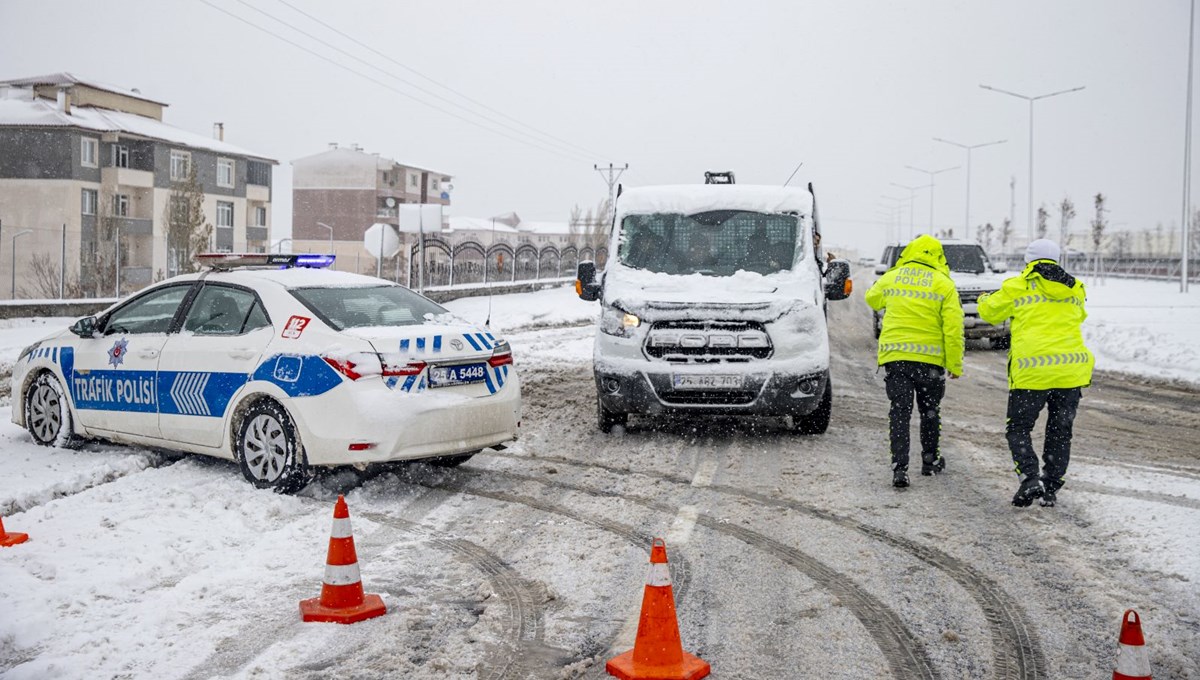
[1049, 495]
[932, 465]
[900, 478]
[1031, 488]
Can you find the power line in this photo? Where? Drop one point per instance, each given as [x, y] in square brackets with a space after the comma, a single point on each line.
[527, 142]
[434, 81]
[411, 84]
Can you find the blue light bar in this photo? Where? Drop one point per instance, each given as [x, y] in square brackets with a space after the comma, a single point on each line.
[227, 261]
[313, 261]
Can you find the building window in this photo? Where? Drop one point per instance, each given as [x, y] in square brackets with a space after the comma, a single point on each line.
[435, 185]
[121, 205]
[224, 215]
[413, 181]
[258, 173]
[88, 151]
[89, 202]
[181, 165]
[260, 217]
[224, 172]
[120, 156]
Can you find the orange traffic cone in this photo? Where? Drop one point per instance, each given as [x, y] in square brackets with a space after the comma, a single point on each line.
[1132, 662]
[657, 652]
[342, 599]
[7, 539]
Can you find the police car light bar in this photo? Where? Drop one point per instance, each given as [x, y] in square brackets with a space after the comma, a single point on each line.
[225, 261]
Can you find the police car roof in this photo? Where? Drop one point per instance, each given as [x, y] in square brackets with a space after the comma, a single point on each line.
[297, 277]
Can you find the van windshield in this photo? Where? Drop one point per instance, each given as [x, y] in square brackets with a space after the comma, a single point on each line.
[965, 258]
[716, 243]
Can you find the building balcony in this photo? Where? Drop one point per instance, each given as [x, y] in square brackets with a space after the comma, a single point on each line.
[255, 192]
[257, 234]
[387, 212]
[127, 177]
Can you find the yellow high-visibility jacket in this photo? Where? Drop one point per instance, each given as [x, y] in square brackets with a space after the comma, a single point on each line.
[923, 319]
[1046, 307]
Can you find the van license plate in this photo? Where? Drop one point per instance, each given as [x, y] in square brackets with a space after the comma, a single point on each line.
[707, 382]
[465, 374]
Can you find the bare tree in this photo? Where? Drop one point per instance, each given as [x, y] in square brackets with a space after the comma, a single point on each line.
[1066, 212]
[188, 230]
[1006, 232]
[1042, 216]
[984, 234]
[44, 279]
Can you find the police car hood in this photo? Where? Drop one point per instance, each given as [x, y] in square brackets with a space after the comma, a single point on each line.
[973, 281]
[428, 340]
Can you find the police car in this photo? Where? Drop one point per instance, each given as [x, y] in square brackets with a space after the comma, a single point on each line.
[279, 364]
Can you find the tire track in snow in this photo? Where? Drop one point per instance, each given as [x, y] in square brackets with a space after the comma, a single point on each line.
[901, 649]
[1149, 496]
[1016, 649]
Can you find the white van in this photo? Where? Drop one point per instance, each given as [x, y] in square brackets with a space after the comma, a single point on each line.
[713, 302]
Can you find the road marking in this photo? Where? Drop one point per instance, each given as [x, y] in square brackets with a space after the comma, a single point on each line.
[705, 472]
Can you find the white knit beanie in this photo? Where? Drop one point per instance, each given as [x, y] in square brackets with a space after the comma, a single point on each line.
[1042, 249]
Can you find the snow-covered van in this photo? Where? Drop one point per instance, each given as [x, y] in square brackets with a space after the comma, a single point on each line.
[713, 302]
[973, 275]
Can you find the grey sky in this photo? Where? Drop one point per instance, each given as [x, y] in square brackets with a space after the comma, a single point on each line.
[854, 89]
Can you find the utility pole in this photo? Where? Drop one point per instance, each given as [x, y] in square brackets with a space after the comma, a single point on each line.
[969, 148]
[613, 174]
[932, 174]
[1012, 199]
[1187, 161]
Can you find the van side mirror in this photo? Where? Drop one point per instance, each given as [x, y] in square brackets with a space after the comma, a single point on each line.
[837, 280]
[999, 267]
[586, 286]
[85, 327]
[881, 269]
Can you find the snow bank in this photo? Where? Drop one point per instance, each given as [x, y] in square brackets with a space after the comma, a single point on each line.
[1145, 328]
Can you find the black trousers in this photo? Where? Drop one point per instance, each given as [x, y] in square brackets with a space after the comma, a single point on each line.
[928, 382]
[1023, 409]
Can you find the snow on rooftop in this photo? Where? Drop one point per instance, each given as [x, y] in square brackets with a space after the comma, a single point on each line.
[64, 78]
[695, 198]
[479, 224]
[20, 108]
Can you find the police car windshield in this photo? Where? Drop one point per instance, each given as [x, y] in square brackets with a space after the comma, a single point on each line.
[965, 258]
[717, 243]
[348, 307]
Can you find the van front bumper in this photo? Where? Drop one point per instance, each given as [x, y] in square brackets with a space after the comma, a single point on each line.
[760, 394]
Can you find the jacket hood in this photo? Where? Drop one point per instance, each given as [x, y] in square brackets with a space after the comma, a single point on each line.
[926, 250]
[1049, 278]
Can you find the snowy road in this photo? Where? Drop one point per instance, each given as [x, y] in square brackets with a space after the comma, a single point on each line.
[791, 556]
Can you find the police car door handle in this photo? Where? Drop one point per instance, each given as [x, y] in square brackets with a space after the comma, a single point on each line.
[242, 353]
[147, 353]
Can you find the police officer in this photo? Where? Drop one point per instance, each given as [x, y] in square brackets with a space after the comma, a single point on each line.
[1048, 365]
[922, 339]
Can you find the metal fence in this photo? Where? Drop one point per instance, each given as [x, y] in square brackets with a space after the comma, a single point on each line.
[470, 262]
[1162, 268]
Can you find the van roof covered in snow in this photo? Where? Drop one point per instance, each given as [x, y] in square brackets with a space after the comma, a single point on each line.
[690, 199]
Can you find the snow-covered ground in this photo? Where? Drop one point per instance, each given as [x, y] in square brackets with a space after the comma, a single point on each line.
[147, 565]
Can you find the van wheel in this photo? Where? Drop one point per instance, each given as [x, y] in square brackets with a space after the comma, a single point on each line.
[268, 450]
[817, 422]
[48, 415]
[607, 419]
[1001, 343]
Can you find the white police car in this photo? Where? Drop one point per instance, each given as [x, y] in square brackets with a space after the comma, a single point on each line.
[278, 364]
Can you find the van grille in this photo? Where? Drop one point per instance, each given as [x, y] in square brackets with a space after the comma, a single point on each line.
[708, 341]
[717, 397]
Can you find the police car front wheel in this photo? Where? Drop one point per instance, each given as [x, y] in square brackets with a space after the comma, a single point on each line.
[269, 453]
[47, 414]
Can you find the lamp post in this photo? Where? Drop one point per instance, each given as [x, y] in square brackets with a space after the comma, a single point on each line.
[1031, 100]
[1187, 161]
[969, 148]
[322, 224]
[895, 208]
[931, 174]
[279, 246]
[912, 198]
[16, 236]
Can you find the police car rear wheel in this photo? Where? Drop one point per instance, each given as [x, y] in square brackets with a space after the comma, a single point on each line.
[47, 414]
[268, 451]
[451, 461]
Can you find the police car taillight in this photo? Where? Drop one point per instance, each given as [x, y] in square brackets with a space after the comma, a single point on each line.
[391, 369]
[501, 355]
[357, 365]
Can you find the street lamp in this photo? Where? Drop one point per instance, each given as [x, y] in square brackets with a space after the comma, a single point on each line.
[895, 209]
[322, 224]
[912, 198]
[931, 174]
[279, 246]
[16, 236]
[1185, 244]
[1031, 100]
[969, 148]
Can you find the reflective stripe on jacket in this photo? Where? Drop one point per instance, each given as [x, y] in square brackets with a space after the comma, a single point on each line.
[924, 318]
[1047, 349]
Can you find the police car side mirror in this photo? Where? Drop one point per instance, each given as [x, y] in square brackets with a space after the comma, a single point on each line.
[837, 280]
[586, 286]
[85, 327]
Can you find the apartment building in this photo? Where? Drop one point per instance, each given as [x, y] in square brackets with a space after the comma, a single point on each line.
[338, 193]
[87, 171]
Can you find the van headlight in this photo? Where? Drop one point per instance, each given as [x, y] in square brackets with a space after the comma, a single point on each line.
[618, 322]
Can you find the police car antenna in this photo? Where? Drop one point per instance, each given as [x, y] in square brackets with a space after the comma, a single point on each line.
[488, 324]
[793, 175]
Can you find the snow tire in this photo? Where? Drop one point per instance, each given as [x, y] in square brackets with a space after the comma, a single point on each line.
[48, 416]
[817, 422]
[268, 450]
[1001, 343]
[607, 419]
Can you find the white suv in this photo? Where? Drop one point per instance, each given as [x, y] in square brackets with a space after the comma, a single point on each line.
[973, 274]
